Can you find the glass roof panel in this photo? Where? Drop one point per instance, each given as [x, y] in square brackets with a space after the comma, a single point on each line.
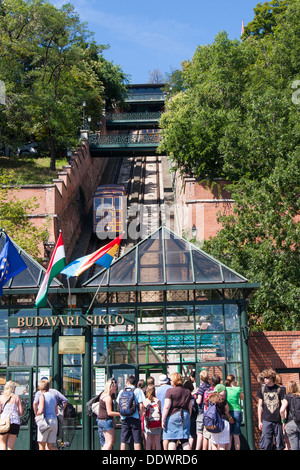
[230, 276]
[206, 270]
[178, 260]
[166, 258]
[150, 261]
[123, 272]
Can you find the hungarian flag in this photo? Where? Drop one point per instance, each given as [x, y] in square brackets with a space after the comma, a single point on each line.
[57, 263]
[104, 257]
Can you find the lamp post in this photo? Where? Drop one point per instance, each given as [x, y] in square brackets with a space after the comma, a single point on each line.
[194, 231]
[83, 114]
[89, 123]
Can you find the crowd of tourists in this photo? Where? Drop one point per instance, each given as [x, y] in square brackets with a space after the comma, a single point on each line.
[172, 414]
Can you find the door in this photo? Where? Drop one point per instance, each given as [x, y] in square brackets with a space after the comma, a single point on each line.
[23, 377]
[212, 368]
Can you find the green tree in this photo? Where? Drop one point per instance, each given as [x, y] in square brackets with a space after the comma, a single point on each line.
[238, 104]
[14, 218]
[55, 65]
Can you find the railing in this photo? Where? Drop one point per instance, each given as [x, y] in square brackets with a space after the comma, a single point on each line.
[145, 97]
[124, 140]
[133, 116]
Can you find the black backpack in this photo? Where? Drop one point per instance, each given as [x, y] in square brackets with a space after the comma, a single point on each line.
[295, 408]
[69, 411]
[89, 409]
[127, 403]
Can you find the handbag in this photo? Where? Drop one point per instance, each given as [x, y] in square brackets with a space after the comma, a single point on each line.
[42, 423]
[5, 421]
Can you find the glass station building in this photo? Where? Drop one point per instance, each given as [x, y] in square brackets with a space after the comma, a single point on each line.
[164, 306]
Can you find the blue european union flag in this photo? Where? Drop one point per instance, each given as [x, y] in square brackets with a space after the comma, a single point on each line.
[11, 263]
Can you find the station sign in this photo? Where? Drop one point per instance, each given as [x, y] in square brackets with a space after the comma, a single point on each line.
[70, 321]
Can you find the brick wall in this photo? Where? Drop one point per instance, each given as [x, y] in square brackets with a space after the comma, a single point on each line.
[63, 204]
[199, 205]
[278, 350]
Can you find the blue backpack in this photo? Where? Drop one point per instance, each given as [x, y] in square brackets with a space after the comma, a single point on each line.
[127, 403]
[212, 420]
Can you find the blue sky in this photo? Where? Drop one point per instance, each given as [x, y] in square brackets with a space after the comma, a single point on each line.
[159, 34]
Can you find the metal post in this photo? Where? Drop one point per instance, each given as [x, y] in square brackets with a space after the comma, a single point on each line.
[87, 393]
[247, 378]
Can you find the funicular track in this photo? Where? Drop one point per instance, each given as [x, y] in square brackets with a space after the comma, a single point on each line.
[143, 177]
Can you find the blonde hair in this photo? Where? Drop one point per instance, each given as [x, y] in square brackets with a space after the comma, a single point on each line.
[108, 386]
[176, 379]
[150, 392]
[9, 388]
[44, 385]
[204, 376]
[292, 387]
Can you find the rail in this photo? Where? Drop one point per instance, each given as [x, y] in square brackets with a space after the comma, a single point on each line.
[112, 117]
[123, 140]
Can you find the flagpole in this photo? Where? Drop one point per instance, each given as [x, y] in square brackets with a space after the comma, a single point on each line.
[96, 292]
[69, 288]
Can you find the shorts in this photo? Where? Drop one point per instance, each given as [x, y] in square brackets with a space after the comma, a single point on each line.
[221, 437]
[131, 429]
[235, 428]
[105, 424]
[14, 430]
[199, 424]
[177, 426]
[48, 436]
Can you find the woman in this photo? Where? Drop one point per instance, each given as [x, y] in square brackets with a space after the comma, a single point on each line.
[176, 414]
[106, 414]
[233, 395]
[48, 407]
[291, 427]
[152, 434]
[221, 440]
[10, 406]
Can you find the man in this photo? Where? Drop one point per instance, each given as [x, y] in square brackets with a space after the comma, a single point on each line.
[131, 425]
[269, 397]
[160, 394]
[61, 402]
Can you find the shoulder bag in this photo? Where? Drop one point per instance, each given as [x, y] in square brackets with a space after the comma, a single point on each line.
[41, 422]
[5, 421]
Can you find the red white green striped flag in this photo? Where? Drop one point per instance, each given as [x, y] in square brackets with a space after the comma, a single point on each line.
[57, 263]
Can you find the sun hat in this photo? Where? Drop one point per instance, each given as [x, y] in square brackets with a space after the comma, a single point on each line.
[163, 379]
[219, 388]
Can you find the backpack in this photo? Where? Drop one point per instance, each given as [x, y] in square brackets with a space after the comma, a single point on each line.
[69, 411]
[127, 403]
[295, 408]
[153, 416]
[89, 408]
[212, 420]
[207, 392]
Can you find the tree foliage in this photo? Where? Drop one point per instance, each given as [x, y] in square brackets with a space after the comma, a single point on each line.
[50, 64]
[236, 118]
[14, 217]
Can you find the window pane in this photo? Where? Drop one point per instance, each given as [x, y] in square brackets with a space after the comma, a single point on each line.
[231, 317]
[233, 347]
[22, 352]
[44, 351]
[3, 322]
[209, 317]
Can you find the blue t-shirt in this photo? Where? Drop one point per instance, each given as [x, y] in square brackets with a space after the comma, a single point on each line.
[161, 393]
[139, 398]
[50, 403]
[201, 390]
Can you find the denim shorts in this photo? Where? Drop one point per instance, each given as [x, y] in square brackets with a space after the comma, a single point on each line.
[235, 428]
[177, 426]
[105, 424]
